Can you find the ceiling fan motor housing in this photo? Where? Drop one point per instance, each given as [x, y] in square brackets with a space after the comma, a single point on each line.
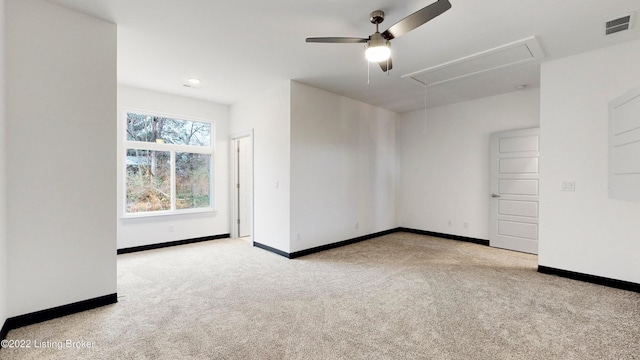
[377, 40]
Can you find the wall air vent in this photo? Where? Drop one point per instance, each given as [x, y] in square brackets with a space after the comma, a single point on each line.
[620, 24]
[518, 52]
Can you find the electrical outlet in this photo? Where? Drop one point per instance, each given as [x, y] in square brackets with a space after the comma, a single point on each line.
[466, 225]
[357, 225]
[449, 223]
[299, 237]
[170, 228]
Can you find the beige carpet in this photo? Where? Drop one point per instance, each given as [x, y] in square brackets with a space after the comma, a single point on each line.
[401, 296]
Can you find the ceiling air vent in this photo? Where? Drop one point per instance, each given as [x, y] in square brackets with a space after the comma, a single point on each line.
[620, 24]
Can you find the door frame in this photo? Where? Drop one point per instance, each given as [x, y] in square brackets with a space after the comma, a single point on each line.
[235, 206]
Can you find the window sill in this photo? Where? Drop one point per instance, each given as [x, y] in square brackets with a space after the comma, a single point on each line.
[169, 213]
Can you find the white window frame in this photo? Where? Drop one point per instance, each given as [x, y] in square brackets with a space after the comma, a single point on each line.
[172, 149]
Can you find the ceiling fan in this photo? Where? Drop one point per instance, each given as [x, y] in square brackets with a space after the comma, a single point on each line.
[378, 48]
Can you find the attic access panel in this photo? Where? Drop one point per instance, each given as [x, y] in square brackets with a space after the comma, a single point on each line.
[521, 51]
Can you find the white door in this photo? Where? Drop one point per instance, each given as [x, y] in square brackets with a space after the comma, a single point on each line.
[514, 190]
[245, 194]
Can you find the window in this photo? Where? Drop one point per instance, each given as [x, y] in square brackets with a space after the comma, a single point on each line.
[169, 167]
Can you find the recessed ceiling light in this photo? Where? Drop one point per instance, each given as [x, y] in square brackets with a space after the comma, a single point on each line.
[194, 81]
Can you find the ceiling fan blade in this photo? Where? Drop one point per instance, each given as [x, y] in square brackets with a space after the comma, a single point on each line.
[341, 40]
[416, 19]
[386, 65]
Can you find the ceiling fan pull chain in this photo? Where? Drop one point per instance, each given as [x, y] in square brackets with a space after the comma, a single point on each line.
[426, 117]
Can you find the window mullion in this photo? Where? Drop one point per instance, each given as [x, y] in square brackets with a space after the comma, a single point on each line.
[145, 146]
[173, 180]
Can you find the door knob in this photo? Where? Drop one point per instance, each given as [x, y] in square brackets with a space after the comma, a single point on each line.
[495, 195]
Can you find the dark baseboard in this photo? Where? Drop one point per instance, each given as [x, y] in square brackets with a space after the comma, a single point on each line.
[599, 280]
[445, 236]
[4, 331]
[272, 249]
[53, 313]
[171, 243]
[338, 244]
[314, 250]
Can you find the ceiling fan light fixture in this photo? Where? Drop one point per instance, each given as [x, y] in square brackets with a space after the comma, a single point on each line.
[378, 49]
[377, 54]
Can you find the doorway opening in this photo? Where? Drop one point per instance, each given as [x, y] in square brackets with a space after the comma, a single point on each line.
[242, 194]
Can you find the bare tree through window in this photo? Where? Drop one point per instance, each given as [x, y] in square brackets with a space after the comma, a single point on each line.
[168, 164]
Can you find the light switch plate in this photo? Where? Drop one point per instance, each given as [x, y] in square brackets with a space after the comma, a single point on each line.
[568, 185]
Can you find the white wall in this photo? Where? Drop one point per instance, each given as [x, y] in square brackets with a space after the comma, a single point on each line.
[444, 161]
[61, 156]
[3, 212]
[585, 231]
[343, 164]
[268, 114]
[158, 229]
